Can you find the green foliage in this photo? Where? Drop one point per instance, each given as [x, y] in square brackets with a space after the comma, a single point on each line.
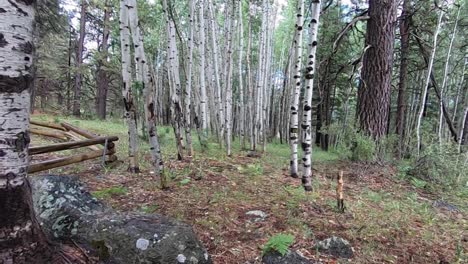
[184, 181]
[441, 166]
[149, 208]
[279, 243]
[109, 192]
[364, 148]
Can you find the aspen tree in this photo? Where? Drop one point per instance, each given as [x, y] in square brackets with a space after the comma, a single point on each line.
[426, 84]
[129, 106]
[294, 125]
[307, 104]
[444, 81]
[145, 77]
[201, 46]
[188, 86]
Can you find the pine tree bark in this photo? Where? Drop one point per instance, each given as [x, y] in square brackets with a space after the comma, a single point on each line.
[307, 104]
[294, 125]
[374, 89]
[401, 109]
[102, 75]
[79, 62]
[22, 240]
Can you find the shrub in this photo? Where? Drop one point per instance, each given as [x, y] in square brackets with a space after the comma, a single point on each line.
[279, 243]
[441, 165]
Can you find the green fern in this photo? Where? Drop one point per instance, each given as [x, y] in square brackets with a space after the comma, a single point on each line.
[279, 243]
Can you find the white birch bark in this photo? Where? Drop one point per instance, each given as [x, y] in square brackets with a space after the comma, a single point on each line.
[201, 46]
[307, 104]
[145, 77]
[16, 56]
[426, 84]
[173, 63]
[444, 81]
[188, 86]
[294, 121]
[241, 86]
[228, 104]
[215, 55]
[129, 106]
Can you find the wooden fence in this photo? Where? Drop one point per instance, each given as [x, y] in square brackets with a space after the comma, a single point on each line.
[73, 137]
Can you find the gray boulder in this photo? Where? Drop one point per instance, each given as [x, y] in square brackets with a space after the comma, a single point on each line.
[67, 211]
[335, 246]
[274, 257]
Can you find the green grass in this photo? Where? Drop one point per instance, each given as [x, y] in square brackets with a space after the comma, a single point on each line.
[110, 192]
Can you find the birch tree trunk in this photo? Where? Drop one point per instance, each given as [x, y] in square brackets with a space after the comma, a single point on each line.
[201, 46]
[228, 104]
[145, 78]
[444, 81]
[176, 106]
[219, 102]
[426, 84]
[294, 125]
[127, 94]
[188, 86]
[307, 104]
[241, 87]
[22, 240]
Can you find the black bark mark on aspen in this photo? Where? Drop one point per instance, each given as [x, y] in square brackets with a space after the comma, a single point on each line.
[26, 47]
[3, 41]
[27, 2]
[22, 141]
[2, 10]
[14, 84]
[18, 9]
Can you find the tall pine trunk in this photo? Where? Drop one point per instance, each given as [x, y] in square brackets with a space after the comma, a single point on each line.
[102, 75]
[374, 90]
[79, 62]
[404, 39]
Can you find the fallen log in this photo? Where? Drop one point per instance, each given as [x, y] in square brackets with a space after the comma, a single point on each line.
[50, 164]
[79, 131]
[48, 133]
[47, 124]
[74, 145]
[76, 137]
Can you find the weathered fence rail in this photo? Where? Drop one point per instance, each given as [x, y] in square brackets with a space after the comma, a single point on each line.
[99, 146]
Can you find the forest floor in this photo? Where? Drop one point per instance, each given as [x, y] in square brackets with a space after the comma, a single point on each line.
[388, 218]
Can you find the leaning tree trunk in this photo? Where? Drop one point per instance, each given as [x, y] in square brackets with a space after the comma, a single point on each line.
[404, 38]
[294, 125]
[374, 90]
[21, 238]
[79, 62]
[129, 106]
[307, 105]
[426, 84]
[102, 75]
[444, 81]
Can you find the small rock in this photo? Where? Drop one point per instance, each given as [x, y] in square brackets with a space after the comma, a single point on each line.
[289, 258]
[335, 246]
[445, 206]
[257, 215]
